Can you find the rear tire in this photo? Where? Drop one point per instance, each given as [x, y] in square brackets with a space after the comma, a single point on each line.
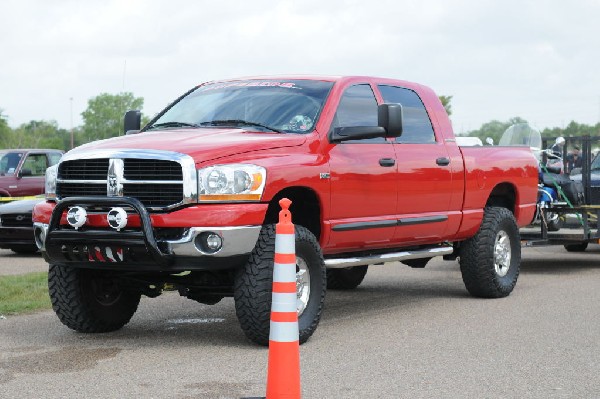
[581, 247]
[417, 263]
[90, 301]
[490, 260]
[347, 278]
[254, 285]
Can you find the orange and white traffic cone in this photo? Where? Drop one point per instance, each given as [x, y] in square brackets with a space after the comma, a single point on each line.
[283, 373]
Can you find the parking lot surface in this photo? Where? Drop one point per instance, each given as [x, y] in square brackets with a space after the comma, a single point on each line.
[404, 333]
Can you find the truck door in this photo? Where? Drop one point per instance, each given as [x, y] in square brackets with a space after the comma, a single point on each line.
[30, 179]
[425, 177]
[363, 177]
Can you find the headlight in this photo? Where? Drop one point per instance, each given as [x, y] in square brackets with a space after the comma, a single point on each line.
[235, 182]
[51, 176]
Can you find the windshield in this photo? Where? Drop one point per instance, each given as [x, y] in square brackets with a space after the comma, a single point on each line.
[291, 106]
[9, 162]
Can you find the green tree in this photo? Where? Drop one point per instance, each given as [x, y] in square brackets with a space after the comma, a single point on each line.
[494, 129]
[39, 134]
[446, 103]
[573, 129]
[103, 117]
[5, 131]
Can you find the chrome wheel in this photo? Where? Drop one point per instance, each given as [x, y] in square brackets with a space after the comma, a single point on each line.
[502, 253]
[302, 285]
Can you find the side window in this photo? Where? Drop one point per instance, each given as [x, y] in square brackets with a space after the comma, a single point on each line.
[9, 163]
[358, 107]
[416, 124]
[34, 165]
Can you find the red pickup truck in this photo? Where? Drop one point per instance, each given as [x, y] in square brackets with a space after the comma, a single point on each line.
[189, 202]
[22, 171]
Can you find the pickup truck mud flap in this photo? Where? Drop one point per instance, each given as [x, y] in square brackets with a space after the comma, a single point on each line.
[92, 246]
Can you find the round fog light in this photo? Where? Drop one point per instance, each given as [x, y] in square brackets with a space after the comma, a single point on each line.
[213, 242]
[209, 242]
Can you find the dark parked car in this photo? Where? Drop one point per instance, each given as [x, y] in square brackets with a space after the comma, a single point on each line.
[594, 180]
[16, 226]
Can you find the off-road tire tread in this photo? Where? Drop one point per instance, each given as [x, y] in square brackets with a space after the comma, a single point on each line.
[253, 286]
[477, 256]
[73, 307]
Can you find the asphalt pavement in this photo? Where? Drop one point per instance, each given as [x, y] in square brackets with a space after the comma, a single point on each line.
[404, 333]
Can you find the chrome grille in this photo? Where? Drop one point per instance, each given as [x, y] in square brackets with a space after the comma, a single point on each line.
[141, 169]
[157, 183]
[66, 189]
[84, 169]
[154, 195]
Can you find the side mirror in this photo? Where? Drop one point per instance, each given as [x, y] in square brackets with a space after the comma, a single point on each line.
[389, 117]
[132, 122]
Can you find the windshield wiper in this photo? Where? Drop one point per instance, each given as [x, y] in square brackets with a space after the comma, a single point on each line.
[225, 122]
[172, 124]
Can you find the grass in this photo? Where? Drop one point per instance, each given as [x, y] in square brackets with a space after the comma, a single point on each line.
[24, 293]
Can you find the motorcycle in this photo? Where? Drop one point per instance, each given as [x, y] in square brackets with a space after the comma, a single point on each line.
[550, 177]
[554, 187]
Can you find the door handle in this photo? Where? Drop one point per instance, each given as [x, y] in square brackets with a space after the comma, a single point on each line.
[387, 162]
[443, 161]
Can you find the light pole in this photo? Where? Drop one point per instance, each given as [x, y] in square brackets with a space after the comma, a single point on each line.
[71, 99]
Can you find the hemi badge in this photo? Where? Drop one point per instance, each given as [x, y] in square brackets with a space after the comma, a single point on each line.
[324, 175]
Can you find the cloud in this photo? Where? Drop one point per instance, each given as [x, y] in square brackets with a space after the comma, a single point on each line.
[498, 59]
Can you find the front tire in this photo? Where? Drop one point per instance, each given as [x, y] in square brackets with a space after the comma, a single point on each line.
[90, 301]
[253, 285]
[490, 261]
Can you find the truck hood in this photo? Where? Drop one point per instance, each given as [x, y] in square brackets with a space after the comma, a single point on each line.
[203, 144]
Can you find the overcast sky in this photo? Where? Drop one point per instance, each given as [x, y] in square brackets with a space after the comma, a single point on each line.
[536, 59]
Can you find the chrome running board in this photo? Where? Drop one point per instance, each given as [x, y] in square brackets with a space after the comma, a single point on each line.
[339, 263]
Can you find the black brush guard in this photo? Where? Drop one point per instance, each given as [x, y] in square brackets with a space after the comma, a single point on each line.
[78, 247]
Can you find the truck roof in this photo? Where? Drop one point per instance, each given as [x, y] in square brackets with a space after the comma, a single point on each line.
[327, 78]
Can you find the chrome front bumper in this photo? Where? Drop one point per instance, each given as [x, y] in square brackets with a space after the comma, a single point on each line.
[238, 240]
[140, 249]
